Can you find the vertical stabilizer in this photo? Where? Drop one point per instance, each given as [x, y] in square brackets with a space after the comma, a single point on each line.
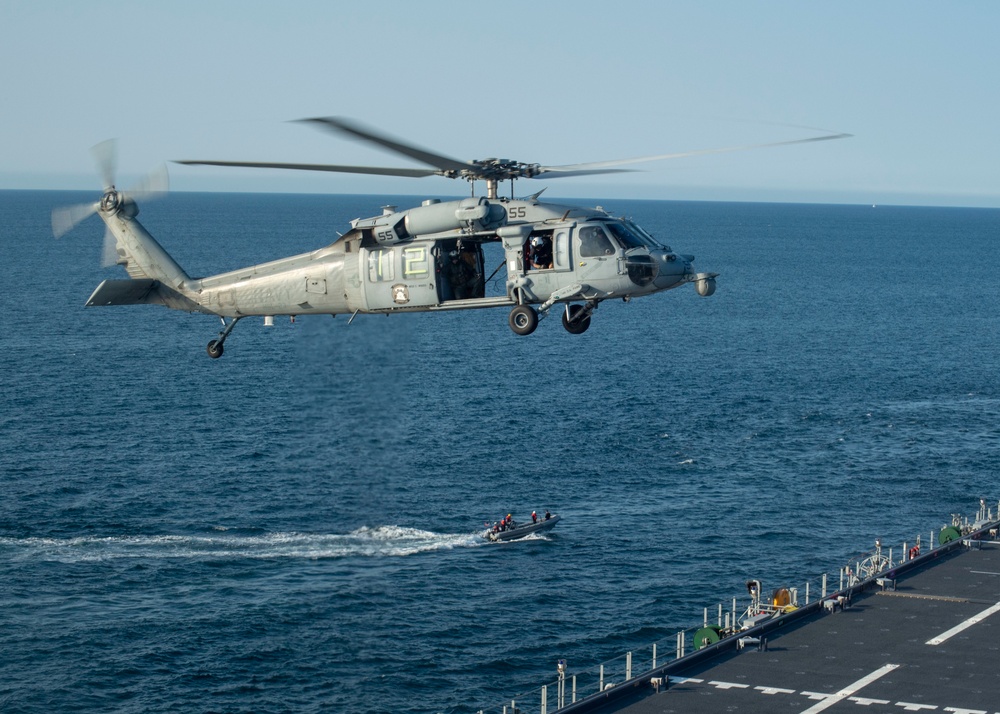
[141, 255]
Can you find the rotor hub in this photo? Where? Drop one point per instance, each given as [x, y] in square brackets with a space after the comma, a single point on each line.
[111, 200]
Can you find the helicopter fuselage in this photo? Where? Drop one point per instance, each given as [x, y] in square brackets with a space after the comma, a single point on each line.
[397, 262]
[432, 257]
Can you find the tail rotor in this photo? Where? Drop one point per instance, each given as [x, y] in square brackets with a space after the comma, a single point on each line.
[153, 185]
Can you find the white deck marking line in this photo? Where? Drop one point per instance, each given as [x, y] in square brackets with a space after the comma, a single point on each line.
[959, 710]
[774, 690]
[815, 696]
[910, 707]
[850, 689]
[964, 625]
[865, 701]
[728, 685]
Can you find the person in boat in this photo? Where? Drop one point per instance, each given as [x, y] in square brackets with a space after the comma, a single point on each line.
[547, 515]
[534, 517]
[510, 521]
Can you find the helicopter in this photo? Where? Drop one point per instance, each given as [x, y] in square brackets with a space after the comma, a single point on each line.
[431, 257]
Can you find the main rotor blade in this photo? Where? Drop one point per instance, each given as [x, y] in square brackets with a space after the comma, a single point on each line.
[65, 218]
[358, 131]
[412, 173]
[700, 152]
[548, 172]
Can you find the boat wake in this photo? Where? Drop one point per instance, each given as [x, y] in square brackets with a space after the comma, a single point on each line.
[373, 542]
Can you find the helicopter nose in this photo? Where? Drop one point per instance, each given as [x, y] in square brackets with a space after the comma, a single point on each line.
[673, 269]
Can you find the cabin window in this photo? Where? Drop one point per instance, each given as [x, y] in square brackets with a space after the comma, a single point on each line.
[380, 265]
[594, 242]
[415, 263]
[560, 250]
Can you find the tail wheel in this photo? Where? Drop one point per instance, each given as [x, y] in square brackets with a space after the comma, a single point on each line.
[214, 349]
[573, 322]
[523, 320]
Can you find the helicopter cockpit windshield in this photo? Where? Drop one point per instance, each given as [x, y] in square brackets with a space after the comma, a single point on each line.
[630, 238]
[639, 230]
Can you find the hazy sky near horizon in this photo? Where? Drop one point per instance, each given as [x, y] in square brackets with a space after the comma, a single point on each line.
[548, 82]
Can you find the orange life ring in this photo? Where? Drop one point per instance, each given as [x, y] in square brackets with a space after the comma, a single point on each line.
[914, 552]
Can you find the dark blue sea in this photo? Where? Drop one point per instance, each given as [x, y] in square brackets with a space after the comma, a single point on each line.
[294, 527]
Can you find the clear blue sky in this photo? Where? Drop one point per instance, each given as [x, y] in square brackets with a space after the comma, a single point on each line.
[547, 82]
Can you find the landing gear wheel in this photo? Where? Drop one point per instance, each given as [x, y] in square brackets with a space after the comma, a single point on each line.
[523, 320]
[574, 324]
[214, 349]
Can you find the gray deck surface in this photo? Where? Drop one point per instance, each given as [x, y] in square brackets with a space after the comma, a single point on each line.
[875, 656]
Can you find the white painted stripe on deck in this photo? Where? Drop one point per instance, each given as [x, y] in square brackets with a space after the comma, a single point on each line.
[865, 701]
[850, 689]
[774, 690]
[911, 707]
[964, 625]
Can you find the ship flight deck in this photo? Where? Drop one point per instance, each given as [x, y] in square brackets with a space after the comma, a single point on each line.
[925, 637]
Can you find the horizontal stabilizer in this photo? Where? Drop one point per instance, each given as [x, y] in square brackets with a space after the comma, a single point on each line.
[139, 292]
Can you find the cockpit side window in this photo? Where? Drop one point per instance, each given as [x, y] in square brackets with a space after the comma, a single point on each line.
[594, 242]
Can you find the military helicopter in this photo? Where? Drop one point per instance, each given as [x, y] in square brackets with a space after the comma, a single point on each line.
[427, 258]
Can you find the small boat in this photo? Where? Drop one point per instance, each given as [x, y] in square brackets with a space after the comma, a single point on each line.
[520, 530]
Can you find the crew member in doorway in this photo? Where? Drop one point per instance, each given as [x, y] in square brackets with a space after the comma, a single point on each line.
[541, 253]
[460, 276]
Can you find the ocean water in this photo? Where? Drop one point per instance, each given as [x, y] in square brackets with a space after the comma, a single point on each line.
[294, 527]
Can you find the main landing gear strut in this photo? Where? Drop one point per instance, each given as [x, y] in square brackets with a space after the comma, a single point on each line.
[576, 318]
[214, 348]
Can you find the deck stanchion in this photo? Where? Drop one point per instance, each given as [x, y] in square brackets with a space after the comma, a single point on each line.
[824, 585]
[628, 666]
[561, 692]
[574, 689]
[654, 654]
[545, 704]
[600, 682]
